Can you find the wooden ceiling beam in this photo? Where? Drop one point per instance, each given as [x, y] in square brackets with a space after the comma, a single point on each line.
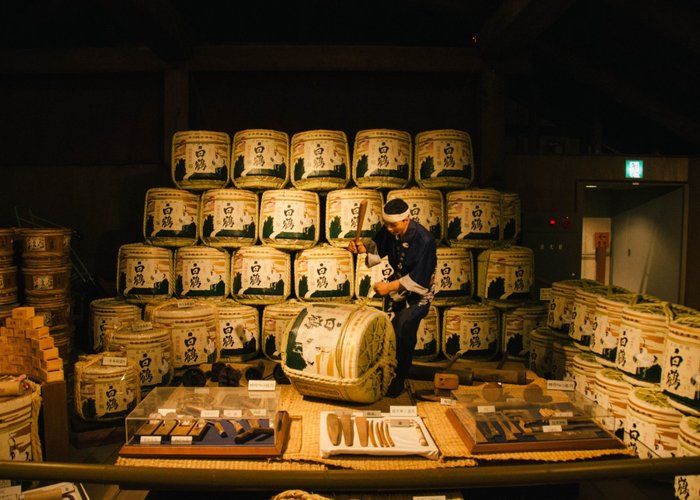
[515, 26]
[245, 58]
[623, 92]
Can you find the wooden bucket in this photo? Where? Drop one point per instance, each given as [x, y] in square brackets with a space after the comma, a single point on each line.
[8, 235]
[473, 218]
[470, 331]
[289, 219]
[260, 159]
[323, 273]
[454, 277]
[228, 218]
[45, 247]
[202, 272]
[193, 329]
[444, 159]
[149, 346]
[238, 331]
[344, 352]
[260, 275]
[275, 320]
[320, 160]
[342, 212]
[44, 282]
[144, 273]
[426, 207]
[170, 217]
[200, 159]
[107, 315]
[107, 387]
[8, 285]
[382, 159]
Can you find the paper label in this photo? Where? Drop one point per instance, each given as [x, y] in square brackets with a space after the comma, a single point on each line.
[233, 413]
[447, 401]
[373, 414]
[114, 361]
[181, 439]
[209, 414]
[167, 411]
[560, 385]
[259, 412]
[261, 385]
[403, 411]
[486, 409]
[150, 439]
[558, 421]
[545, 294]
[551, 428]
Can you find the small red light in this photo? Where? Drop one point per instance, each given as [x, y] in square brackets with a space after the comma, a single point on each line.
[552, 222]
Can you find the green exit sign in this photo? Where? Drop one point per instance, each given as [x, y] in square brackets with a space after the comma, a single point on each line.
[634, 169]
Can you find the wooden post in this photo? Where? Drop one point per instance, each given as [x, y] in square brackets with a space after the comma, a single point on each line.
[54, 409]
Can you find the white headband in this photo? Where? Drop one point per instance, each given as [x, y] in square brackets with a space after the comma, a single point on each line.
[395, 217]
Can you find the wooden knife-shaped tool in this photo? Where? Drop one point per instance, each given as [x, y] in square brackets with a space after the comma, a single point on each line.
[361, 422]
[333, 426]
[348, 429]
[371, 433]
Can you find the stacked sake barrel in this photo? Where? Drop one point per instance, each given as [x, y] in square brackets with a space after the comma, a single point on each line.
[9, 296]
[46, 279]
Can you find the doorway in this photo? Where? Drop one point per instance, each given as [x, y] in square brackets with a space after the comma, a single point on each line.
[645, 245]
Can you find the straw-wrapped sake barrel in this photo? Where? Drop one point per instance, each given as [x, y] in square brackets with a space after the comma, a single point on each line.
[323, 273]
[454, 277]
[19, 421]
[238, 337]
[260, 159]
[505, 275]
[107, 315]
[260, 275]
[428, 341]
[200, 159]
[202, 272]
[470, 331]
[228, 218]
[144, 273]
[473, 218]
[275, 320]
[170, 217]
[320, 160]
[343, 211]
[365, 277]
[382, 158]
[289, 219]
[444, 159]
[340, 351]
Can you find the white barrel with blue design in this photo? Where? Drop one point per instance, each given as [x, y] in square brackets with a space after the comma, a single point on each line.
[260, 159]
[444, 159]
[144, 273]
[320, 160]
[200, 159]
[228, 218]
[170, 217]
[340, 351]
[454, 277]
[343, 210]
[382, 158]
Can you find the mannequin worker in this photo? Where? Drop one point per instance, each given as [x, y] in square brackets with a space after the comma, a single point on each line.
[412, 254]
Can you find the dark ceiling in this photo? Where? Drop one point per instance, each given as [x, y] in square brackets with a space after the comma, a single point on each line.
[608, 75]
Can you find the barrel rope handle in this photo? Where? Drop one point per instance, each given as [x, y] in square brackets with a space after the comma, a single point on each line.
[669, 312]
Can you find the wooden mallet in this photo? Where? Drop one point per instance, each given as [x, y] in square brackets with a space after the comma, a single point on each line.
[360, 220]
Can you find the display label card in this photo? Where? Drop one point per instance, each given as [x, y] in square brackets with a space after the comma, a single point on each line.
[560, 385]
[403, 411]
[233, 413]
[262, 385]
[558, 421]
[259, 412]
[447, 401]
[400, 422]
[114, 361]
[166, 411]
[150, 439]
[486, 409]
[209, 414]
[545, 294]
[373, 414]
[185, 303]
[201, 390]
[551, 428]
[564, 414]
[141, 326]
[180, 439]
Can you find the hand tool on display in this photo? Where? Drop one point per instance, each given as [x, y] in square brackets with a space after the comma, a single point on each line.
[256, 430]
[348, 429]
[360, 220]
[469, 424]
[387, 434]
[469, 375]
[509, 423]
[361, 422]
[334, 428]
[183, 428]
[166, 427]
[199, 429]
[219, 428]
[148, 428]
[507, 433]
[492, 431]
[372, 439]
[237, 426]
[421, 437]
[380, 434]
